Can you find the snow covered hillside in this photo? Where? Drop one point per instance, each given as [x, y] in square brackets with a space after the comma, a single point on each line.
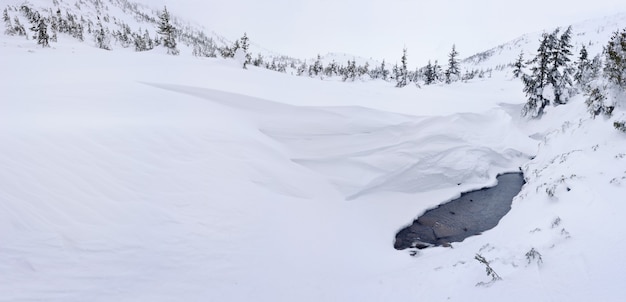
[591, 33]
[138, 176]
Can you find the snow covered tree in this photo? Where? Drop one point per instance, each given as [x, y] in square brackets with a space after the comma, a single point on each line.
[301, 69]
[402, 72]
[9, 29]
[20, 30]
[583, 68]
[429, 74]
[245, 46]
[596, 103]
[519, 66]
[258, 61]
[453, 72]
[317, 67]
[331, 69]
[41, 33]
[363, 70]
[561, 71]
[615, 59]
[101, 37]
[350, 72]
[167, 32]
[535, 83]
[384, 73]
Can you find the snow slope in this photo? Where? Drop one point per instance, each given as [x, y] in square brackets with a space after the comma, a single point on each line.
[132, 177]
[592, 33]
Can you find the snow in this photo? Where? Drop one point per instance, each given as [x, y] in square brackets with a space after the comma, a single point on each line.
[140, 176]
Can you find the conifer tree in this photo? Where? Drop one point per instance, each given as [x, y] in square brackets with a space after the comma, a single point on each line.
[317, 67]
[20, 30]
[245, 46]
[429, 75]
[331, 69]
[453, 72]
[535, 83]
[41, 33]
[167, 32]
[561, 72]
[519, 65]
[436, 71]
[101, 37]
[402, 71]
[583, 67]
[384, 73]
[9, 29]
[615, 58]
[258, 61]
[301, 69]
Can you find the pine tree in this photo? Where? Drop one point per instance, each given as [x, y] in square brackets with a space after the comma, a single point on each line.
[245, 46]
[429, 75]
[519, 66]
[583, 68]
[317, 67]
[331, 69]
[561, 68]
[10, 30]
[20, 30]
[615, 58]
[453, 72]
[301, 69]
[258, 61]
[402, 71]
[535, 83]
[167, 32]
[101, 37]
[41, 33]
[384, 73]
[436, 72]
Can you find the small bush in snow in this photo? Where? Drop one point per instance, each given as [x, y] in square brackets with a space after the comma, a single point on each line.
[489, 270]
[534, 256]
[620, 125]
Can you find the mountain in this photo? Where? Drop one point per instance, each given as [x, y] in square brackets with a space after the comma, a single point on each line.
[141, 176]
[590, 33]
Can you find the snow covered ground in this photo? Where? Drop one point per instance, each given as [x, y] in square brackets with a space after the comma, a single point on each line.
[145, 177]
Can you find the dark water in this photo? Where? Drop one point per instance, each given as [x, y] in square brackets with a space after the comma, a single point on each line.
[472, 213]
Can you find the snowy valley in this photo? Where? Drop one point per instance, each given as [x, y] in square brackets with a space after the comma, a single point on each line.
[130, 175]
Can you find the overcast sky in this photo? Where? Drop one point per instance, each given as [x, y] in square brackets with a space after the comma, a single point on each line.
[381, 28]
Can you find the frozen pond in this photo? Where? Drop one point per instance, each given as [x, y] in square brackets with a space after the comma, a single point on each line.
[472, 213]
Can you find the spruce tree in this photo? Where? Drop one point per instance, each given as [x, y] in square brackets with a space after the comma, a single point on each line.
[245, 46]
[101, 37]
[583, 68]
[20, 30]
[331, 69]
[535, 83]
[301, 69]
[615, 59]
[317, 67]
[436, 72]
[402, 71]
[167, 32]
[561, 68]
[429, 75]
[9, 29]
[384, 73]
[41, 33]
[453, 72]
[519, 66]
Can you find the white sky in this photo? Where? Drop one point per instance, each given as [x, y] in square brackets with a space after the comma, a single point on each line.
[380, 28]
